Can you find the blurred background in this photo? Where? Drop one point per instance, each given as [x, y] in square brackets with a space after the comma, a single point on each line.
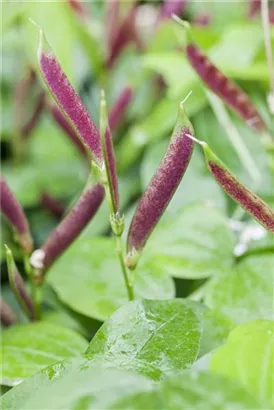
[131, 47]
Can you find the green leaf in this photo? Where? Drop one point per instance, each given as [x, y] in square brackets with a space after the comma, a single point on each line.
[248, 358]
[55, 18]
[191, 390]
[73, 385]
[153, 337]
[215, 326]
[89, 280]
[29, 348]
[196, 186]
[199, 243]
[245, 292]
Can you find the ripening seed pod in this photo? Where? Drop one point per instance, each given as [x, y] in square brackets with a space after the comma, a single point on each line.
[7, 316]
[161, 187]
[221, 85]
[119, 107]
[15, 215]
[68, 100]
[109, 156]
[70, 227]
[253, 204]
[18, 286]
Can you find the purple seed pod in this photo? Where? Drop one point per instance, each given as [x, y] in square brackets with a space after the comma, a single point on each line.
[221, 85]
[18, 286]
[15, 215]
[117, 111]
[161, 188]
[253, 204]
[53, 205]
[36, 115]
[72, 225]
[226, 89]
[170, 7]
[109, 156]
[68, 100]
[66, 127]
[7, 316]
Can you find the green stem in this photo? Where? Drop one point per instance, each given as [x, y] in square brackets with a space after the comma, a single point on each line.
[236, 140]
[128, 284]
[36, 297]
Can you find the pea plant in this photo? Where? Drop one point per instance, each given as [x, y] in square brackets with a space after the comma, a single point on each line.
[129, 301]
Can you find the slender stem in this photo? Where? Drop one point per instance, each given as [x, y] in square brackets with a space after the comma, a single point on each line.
[35, 287]
[119, 250]
[236, 140]
[36, 297]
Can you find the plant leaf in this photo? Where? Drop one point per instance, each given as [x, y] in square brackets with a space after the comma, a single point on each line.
[153, 337]
[248, 358]
[191, 390]
[29, 348]
[75, 384]
[88, 279]
[199, 243]
[232, 293]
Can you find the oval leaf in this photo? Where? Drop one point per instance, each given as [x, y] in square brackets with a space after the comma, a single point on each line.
[88, 278]
[151, 336]
[199, 243]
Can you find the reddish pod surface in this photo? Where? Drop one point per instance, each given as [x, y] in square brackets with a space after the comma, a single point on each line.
[15, 215]
[252, 203]
[72, 224]
[222, 86]
[109, 156]
[162, 186]
[68, 100]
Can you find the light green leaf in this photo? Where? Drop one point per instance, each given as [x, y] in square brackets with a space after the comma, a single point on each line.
[75, 384]
[199, 243]
[152, 337]
[248, 358]
[26, 349]
[88, 278]
[245, 292]
[56, 20]
[196, 186]
[191, 390]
